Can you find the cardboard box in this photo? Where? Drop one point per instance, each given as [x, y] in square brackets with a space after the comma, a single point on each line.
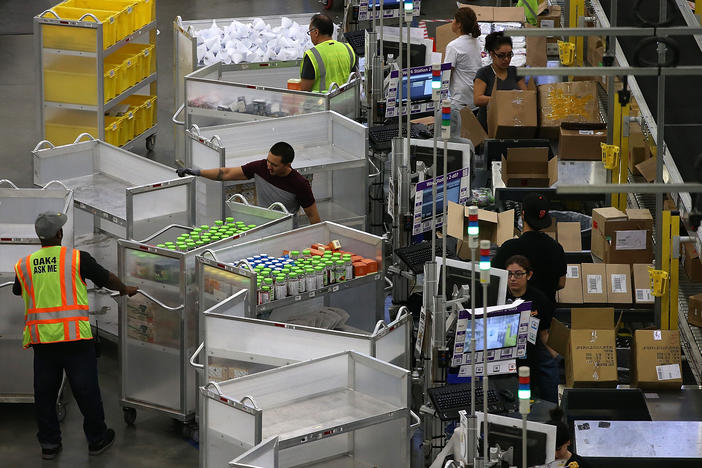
[600, 217]
[549, 16]
[617, 240]
[572, 292]
[594, 283]
[581, 145]
[536, 50]
[529, 167]
[499, 14]
[656, 359]
[588, 347]
[574, 101]
[694, 310]
[647, 169]
[471, 127]
[618, 283]
[569, 236]
[512, 114]
[642, 283]
[691, 263]
[638, 147]
[497, 227]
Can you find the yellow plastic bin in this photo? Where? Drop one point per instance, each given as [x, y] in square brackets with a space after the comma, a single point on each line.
[73, 79]
[111, 72]
[127, 8]
[109, 20]
[128, 68]
[112, 130]
[144, 54]
[143, 109]
[65, 126]
[123, 14]
[127, 129]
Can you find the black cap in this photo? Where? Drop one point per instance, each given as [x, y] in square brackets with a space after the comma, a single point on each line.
[535, 207]
[48, 224]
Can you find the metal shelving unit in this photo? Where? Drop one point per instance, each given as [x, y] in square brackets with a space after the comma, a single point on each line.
[77, 34]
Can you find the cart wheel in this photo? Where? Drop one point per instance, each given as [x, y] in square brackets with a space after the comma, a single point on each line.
[129, 415]
[60, 411]
[151, 142]
[190, 430]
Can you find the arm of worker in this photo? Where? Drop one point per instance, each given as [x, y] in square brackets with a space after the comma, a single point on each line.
[307, 75]
[479, 97]
[521, 83]
[116, 284]
[312, 213]
[561, 282]
[543, 336]
[220, 173]
[102, 278]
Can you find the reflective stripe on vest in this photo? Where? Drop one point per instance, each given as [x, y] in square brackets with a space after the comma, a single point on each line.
[329, 63]
[55, 296]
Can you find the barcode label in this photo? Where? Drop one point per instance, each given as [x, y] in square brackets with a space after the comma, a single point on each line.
[619, 283]
[644, 295]
[657, 335]
[668, 372]
[587, 132]
[594, 284]
[573, 271]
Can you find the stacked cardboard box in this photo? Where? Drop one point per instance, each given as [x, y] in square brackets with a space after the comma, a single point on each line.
[581, 144]
[600, 283]
[656, 359]
[619, 237]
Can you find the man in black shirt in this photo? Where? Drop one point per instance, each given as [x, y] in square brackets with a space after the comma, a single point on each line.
[545, 254]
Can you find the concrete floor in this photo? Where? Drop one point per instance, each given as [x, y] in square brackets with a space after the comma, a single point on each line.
[155, 440]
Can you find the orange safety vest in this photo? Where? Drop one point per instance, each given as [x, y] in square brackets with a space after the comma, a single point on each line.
[55, 296]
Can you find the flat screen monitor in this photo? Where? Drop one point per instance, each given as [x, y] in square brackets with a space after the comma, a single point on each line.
[457, 191]
[386, 3]
[460, 155]
[420, 87]
[417, 53]
[459, 273]
[507, 433]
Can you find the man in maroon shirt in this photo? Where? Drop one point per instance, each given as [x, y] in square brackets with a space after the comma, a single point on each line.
[276, 180]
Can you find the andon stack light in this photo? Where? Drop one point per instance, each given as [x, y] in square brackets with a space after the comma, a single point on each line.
[524, 392]
[436, 82]
[473, 228]
[409, 9]
[484, 261]
[446, 119]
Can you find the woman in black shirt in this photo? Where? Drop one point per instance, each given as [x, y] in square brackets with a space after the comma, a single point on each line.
[499, 47]
[540, 358]
[563, 439]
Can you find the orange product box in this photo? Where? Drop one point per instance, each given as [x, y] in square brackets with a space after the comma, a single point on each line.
[372, 265]
[359, 269]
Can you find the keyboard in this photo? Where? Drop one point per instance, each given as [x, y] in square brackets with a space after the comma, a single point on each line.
[415, 256]
[381, 135]
[450, 399]
[357, 41]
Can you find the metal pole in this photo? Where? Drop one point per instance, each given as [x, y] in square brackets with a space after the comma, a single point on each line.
[443, 225]
[399, 87]
[611, 50]
[382, 3]
[437, 124]
[485, 372]
[660, 152]
[524, 440]
[409, 96]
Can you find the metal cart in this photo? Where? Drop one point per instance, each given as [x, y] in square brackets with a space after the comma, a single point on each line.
[362, 297]
[128, 195]
[329, 147]
[329, 411]
[19, 208]
[236, 345]
[159, 332]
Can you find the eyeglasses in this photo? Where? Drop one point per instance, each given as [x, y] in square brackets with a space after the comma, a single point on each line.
[516, 274]
[309, 33]
[504, 55]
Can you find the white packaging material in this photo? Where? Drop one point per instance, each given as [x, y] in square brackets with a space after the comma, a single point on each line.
[212, 43]
[209, 58]
[237, 57]
[285, 22]
[485, 28]
[258, 24]
[201, 51]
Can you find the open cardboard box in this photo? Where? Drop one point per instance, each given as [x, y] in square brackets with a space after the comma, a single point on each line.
[548, 16]
[471, 127]
[529, 167]
[572, 101]
[512, 114]
[496, 227]
[588, 347]
[581, 144]
[622, 237]
[655, 355]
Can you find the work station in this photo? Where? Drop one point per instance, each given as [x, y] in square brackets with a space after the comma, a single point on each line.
[372, 233]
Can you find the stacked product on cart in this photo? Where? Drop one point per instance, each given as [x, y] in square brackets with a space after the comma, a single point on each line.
[98, 71]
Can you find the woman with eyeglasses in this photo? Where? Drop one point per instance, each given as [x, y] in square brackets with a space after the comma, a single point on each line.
[498, 75]
[541, 359]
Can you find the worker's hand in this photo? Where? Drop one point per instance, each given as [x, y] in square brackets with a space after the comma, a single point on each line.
[129, 291]
[183, 171]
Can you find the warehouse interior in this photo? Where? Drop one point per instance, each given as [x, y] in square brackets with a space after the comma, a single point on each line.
[166, 411]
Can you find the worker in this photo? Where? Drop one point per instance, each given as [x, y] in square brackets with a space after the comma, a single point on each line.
[463, 53]
[563, 441]
[498, 75]
[541, 358]
[52, 284]
[276, 180]
[545, 255]
[329, 61]
[531, 8]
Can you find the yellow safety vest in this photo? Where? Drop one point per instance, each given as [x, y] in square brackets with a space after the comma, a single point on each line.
[332, 61]
[55, 296]
[530, 10]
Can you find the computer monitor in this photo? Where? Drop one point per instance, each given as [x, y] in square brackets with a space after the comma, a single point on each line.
[459, 273]
[507, 433]
[420, 87]
[457, 191]
[460, 155]
[417, 53]
[386, 3]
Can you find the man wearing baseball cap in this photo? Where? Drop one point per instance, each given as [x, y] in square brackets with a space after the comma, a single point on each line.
[545, 254]
[51, 282]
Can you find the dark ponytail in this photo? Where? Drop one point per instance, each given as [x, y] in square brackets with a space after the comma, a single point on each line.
[468, 21]
[562, 431]
[495, 40]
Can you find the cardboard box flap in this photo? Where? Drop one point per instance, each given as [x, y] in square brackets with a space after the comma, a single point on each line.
[595, 318]
[635, 214]
[559, 338]
[486, 216]
[444, 35]
[528, 154]
[610, 212]
[483, 13]
[552, 171]
[454, 220]
[471, 127]
[648, 169]
[508, 14]
[569, 236]
[505, 227]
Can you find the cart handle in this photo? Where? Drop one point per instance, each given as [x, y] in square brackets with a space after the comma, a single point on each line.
[4, 285]
[216, 140]
[245, 262]
[179, 22]
[413, 427]
[49, 11]
[211, 252]
[9, 182]
[250, 398]
[402, 311]
[239, 197]
[216, 386]
[55, 182]
[153, 299]
[279, 205]
[378, 326]
[390, 285]
[377, 171]
[42, 143]
[195, 129]
[89, 15]
[80, 137]
[176, 121]
[164, 230]
[333, 87]
[192, 358]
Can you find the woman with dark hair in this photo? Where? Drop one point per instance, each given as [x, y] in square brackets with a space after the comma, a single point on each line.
[563, 440]
[540, 358]
[498, 75]
[463, 53]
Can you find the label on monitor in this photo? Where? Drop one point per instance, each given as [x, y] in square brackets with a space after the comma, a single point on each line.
[494, 368]
[533, 330]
